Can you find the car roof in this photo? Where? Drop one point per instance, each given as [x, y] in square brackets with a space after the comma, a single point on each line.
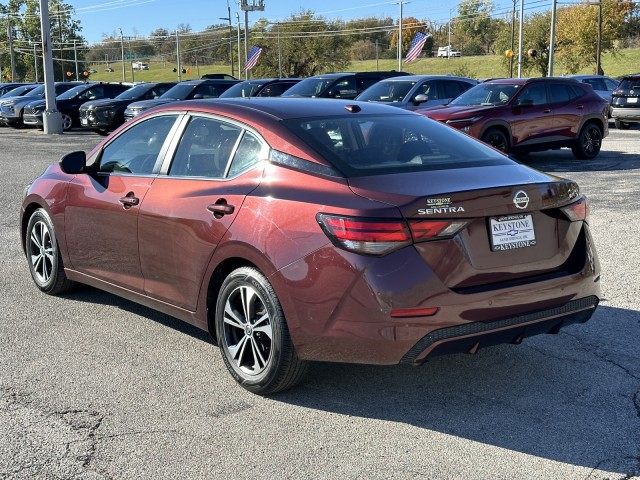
[525, 81]
[282, 108]
[414, 78]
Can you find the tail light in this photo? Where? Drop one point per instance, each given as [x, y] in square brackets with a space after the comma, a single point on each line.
[617, 91]
[577, 211]
[375, 236]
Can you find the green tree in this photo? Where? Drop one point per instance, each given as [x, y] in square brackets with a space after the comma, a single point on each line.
[475, 23]
[301, 46]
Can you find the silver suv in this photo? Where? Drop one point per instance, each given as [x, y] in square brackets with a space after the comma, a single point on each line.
[625, 102]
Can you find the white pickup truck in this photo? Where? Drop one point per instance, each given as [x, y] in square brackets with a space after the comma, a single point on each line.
[448, 51]
[140, 66]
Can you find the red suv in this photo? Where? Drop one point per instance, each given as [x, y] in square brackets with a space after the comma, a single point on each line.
[522, 115]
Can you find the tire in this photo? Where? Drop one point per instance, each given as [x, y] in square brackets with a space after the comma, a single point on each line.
[497, 139]
[43, 254]
[253, 336]
[589, 142]
[620, 125]
[67, 122]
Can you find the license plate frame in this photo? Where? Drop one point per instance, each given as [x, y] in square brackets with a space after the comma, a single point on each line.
[511, 232]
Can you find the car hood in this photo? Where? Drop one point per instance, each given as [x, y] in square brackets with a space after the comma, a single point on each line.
[38, 103]
[446, 112]
[144, 104]
[104, 102]
[21, 100]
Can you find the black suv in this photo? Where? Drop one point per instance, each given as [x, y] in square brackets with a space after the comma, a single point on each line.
[625, 102]
[188, 90]
[338, 85]
[69, 102]
[108, 114]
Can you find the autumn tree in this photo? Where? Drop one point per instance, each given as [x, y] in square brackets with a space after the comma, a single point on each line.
[410, 26]
[577, 31]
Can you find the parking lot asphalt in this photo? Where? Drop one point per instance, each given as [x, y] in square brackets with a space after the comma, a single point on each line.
[95, 387]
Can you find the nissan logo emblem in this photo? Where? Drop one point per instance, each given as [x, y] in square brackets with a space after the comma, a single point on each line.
[521, 200]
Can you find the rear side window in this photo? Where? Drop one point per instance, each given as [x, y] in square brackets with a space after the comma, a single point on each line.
[562, 93]
[379, 145]
[452, 89]
[205, 148]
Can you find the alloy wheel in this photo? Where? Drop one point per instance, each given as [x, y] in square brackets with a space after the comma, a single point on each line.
[247, 330]
[592, 141]
[41, 252]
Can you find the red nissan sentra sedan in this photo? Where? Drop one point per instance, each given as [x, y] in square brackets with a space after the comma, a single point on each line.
[296, 230]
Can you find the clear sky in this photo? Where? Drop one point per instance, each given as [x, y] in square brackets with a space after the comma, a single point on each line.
[141, 17]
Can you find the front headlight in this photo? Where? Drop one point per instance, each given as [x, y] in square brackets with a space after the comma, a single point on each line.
[460, 122]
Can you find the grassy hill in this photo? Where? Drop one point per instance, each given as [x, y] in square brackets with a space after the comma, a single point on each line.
[485, 66]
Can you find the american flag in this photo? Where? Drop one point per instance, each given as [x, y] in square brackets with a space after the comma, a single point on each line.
[252, 59]
[416, 47]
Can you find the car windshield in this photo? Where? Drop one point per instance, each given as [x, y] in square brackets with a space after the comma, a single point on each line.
[135, 92]
[242, 89]
[180, 91]
[72, 92]
[310, 87]
[387, 92]
[379, 145]
[487, 94]
[36, 92]
[18, 91]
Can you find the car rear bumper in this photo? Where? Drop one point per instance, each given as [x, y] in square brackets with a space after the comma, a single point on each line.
[353, 320]
[626, 114]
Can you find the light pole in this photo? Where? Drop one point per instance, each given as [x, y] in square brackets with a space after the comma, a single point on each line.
[52, 119]
[520, 39]
[124, 70]
[552, 38]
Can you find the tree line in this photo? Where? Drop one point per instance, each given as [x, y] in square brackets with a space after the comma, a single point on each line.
[308, 44]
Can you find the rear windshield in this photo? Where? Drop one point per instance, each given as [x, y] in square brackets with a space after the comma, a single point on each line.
[309, 87]
[180, 91]
[631, 83]
[387, 92]
[378, 145]
[242, 89]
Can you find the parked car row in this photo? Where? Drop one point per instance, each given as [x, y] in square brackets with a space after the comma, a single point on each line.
[515, 116]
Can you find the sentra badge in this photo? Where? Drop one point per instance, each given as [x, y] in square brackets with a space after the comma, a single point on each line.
[439, 205]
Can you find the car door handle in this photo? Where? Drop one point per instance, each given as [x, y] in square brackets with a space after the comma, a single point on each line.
[579, 107]
[548, 110]
[221, 208]
[129, 201]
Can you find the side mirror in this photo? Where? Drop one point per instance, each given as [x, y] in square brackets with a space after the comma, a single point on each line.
[422, 98]
[74, 162]
[198, 96]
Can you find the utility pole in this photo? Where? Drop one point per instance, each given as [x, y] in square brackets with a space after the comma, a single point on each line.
[513, 34]
[552, 38]
[10, 38]
[279, 54]
[449, 46]
[401, 3]
[228, 17]
[178, 55]
[35, 61]
[75, 58]
[124, 69]
[52, 119]
[520, 39]
[256, 5]
[239, 60]
[599, 70]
